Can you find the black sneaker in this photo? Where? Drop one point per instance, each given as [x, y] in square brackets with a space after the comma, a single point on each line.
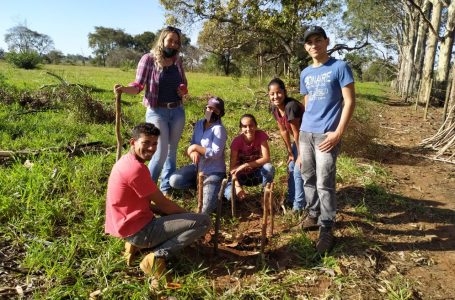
[326, 240]
[310, 223]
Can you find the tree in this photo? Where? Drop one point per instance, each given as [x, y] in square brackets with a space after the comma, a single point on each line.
[104, 40]
[221, 40]
[430, 52]
[445, 52]
[143, 42]
[126, 58]
[24, 60]
[55, 57]
[193, 57]
[280, 21]
[356, 61]
[21, 39]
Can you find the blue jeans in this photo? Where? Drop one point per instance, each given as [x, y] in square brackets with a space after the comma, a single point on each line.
[171, 123]
[262, 175]
[319, 175]
[169, 234]
[296, 195]
[186, 178]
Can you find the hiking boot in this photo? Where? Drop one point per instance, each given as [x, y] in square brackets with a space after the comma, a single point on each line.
[130, 251]
[153, 266]
[310, 223]
[326, 240]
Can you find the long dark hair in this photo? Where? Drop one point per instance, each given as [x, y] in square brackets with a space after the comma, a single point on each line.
[280, 83]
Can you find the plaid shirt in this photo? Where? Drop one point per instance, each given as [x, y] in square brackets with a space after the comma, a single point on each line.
[148, 75]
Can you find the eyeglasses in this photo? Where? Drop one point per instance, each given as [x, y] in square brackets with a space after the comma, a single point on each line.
[174, 29]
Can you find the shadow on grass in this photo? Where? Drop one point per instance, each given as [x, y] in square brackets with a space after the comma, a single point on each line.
[392, 221]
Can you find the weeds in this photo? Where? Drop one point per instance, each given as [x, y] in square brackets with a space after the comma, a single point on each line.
[52, 209]
[397, 289]
[304, 250]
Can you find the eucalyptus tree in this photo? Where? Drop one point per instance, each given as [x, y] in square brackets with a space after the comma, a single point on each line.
[430, 51]
[445, 51]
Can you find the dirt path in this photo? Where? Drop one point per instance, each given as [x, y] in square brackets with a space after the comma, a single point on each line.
[421, 238]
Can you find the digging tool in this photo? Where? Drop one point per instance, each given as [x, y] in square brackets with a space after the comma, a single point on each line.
[200, 188]
[219, 206]
[271, 209]
[234, 180]
[265, 217]
[118, 123]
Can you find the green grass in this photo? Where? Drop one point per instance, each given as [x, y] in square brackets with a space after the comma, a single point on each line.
[52, 207]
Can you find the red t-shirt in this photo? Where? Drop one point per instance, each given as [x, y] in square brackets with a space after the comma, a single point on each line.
[128, 197]
[248, 152]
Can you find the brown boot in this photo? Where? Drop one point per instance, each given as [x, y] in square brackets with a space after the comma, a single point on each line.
[130, 251]
[310, 223]
[326, 240]
[153, 266]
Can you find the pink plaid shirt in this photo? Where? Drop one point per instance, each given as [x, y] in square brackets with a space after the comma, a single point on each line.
[148, 75]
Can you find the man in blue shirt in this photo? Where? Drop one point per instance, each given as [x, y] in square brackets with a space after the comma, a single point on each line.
[329, 95]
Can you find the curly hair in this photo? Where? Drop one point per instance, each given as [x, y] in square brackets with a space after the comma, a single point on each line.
[157, 50]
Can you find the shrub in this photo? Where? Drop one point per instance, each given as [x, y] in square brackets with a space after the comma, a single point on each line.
[24, 60]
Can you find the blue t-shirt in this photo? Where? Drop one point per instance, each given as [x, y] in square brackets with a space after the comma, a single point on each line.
[323, 86]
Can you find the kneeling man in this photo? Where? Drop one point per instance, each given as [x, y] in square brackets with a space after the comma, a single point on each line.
[132, 200]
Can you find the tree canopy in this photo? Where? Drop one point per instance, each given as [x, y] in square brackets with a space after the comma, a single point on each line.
[277, 25]
[22, 39]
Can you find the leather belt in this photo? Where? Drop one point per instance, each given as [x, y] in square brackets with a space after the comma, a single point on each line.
[170, 105]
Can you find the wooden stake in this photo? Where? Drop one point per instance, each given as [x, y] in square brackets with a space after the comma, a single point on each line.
[264, 217]
[233, 208]
[118, 121]
[271, 210]
[200, 188]
[427, 99]
[446, 101]
[218, 215]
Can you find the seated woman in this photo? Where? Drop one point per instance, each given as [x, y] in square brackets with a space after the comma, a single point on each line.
[207, 154]
[250, 158]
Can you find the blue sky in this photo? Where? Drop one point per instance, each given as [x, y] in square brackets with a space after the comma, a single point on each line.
[68, 22]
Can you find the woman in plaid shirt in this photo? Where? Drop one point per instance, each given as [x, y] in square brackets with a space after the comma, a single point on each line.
[161, 74]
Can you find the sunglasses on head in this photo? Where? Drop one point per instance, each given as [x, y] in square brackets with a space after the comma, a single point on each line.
[174, 29]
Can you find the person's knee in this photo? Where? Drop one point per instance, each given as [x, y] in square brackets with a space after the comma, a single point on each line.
[204, 220]
[269, 170]
[175, 181]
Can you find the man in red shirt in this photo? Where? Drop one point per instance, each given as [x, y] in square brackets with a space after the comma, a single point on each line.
[132, 199]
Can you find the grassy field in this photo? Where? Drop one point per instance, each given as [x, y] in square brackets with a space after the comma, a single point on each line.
[52, 201]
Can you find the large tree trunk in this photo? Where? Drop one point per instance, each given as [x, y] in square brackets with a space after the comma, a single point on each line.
[408, 52]
[445, 52]
[430, 52]
[419, 53]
